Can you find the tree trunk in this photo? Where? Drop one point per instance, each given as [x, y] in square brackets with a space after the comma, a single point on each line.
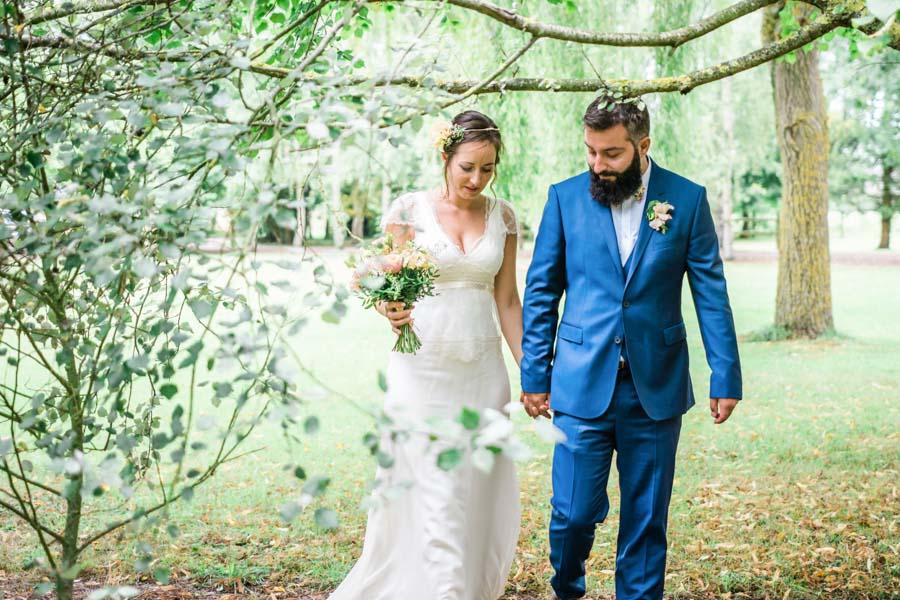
[727, 197]
[358, 202]
[887, 204]
[300, 197]
[68, 563]
[336, 213]
[65, 579]
[803, 297]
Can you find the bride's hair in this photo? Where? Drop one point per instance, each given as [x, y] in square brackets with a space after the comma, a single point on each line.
[478, 128]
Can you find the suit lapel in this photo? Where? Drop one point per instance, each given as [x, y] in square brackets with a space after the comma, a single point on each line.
[602, 215]
[656, 190]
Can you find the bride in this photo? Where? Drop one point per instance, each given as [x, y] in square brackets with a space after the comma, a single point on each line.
[452, 535]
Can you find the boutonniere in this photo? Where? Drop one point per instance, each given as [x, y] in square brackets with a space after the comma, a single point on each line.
[658, 215]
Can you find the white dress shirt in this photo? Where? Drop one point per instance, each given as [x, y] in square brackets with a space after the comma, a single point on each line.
[627, 218]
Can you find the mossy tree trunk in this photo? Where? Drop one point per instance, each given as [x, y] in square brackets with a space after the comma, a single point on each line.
[803, 298]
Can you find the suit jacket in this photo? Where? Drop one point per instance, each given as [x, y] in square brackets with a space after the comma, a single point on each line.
[608, 309]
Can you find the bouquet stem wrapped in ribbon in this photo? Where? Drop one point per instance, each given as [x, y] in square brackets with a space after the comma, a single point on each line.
[383, 273]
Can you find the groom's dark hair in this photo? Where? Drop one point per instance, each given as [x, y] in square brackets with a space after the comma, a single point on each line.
[605, 112]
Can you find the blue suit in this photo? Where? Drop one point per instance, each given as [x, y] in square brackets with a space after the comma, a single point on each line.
[635, 312]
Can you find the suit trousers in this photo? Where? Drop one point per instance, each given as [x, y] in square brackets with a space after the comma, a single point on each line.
[645, 460]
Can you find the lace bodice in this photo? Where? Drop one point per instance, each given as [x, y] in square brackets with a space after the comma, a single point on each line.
[462, 314]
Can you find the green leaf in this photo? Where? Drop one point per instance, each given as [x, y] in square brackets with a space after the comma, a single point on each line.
[385, 460]
[449, 459]
[483, 459]
[326, 519]
[162, 575]
[469, 418]
[71, 573]
[290, 511]
[168, 390]
[154, 36]
[139, 362]
[311, 425]
[202, 308]
[316, 486]
[382, 381]
[299, 472]
[331, 317]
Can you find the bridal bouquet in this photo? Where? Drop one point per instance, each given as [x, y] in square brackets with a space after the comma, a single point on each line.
[382, 273]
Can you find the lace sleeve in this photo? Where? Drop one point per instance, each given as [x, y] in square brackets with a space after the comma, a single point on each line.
[509, 218]
[400, 212]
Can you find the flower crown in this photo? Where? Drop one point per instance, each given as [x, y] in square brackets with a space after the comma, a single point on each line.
[444, 134]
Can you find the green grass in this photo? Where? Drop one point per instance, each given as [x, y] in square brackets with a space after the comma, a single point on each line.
[796, 493]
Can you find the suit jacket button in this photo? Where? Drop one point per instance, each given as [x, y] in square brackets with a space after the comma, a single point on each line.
[626, 303]
[618, 340]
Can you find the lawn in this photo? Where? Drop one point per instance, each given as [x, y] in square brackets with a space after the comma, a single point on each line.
[796, 494]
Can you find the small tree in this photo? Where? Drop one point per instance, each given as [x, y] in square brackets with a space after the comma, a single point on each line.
[116, 145]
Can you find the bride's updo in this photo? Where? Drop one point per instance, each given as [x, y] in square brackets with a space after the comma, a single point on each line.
[478, 128]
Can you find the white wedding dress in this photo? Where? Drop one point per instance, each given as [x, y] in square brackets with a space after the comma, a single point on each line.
[450, 535]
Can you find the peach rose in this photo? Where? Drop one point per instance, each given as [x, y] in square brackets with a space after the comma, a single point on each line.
[392, 263]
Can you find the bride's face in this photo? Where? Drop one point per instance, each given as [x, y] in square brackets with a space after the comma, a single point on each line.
[470, 169]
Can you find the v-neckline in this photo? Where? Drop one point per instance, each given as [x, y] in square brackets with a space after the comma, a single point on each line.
[432, 199]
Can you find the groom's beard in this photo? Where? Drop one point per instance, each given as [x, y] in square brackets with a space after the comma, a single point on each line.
[615, 192]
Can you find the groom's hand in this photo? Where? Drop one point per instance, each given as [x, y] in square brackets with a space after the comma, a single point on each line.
[536, 405]
[721, 409]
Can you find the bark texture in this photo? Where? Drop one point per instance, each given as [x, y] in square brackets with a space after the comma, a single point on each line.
[803, 299]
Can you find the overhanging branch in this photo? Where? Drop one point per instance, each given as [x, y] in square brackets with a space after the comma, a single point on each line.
[673, 38]
[629, 88]
[70, 8]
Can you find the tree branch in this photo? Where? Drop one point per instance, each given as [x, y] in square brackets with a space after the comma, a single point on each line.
[30, 42]
[673, 38]
[5, 468]
[70, 8]
[28, 520]
[290, 27]
[856, 11]
[628, 87]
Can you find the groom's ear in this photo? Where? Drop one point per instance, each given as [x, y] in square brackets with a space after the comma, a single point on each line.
[644, 146]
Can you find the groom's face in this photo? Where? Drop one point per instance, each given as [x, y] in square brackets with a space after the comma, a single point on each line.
[616, 163]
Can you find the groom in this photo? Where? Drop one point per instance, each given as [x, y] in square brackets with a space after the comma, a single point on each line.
[618, 240]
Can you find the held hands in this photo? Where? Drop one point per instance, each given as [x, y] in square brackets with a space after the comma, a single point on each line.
[721, 409]
[397, 313]
[536, 405]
